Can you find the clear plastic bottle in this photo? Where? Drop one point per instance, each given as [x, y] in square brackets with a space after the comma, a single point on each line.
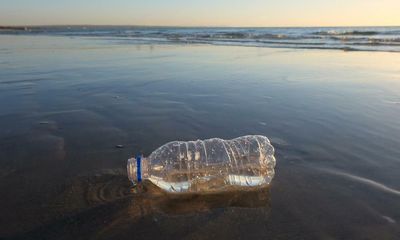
[210, 165]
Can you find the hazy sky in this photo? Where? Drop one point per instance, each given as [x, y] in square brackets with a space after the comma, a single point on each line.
[202, 12]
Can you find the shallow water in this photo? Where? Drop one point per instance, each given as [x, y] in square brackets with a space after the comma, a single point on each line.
[65, 103]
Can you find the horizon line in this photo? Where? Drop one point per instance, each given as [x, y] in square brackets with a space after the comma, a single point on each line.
[188, 26]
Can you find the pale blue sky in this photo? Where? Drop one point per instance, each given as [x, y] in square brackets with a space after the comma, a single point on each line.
[202, 12]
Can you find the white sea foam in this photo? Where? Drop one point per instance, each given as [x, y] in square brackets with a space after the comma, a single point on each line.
[356, 38]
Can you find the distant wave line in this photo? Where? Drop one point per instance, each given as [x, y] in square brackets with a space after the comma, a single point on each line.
[365, 181]
[384, 39]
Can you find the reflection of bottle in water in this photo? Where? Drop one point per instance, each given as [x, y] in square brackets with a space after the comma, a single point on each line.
[155, 201]
[207, 166]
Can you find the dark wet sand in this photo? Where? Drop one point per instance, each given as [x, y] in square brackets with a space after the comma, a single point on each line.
[65, 104]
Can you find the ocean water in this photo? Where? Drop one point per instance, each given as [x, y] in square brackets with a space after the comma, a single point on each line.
[343, 38]
[66, 102]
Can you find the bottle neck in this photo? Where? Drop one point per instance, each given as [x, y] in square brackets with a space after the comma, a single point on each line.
[137, 169]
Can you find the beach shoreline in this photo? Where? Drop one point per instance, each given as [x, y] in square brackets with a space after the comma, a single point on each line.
[66, 102]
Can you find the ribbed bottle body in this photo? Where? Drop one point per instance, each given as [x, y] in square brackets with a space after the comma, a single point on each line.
[211, 165]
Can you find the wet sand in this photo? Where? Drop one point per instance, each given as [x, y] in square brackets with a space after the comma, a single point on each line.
[66, 103]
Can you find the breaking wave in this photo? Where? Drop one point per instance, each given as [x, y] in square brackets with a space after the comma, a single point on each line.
[358, 39]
